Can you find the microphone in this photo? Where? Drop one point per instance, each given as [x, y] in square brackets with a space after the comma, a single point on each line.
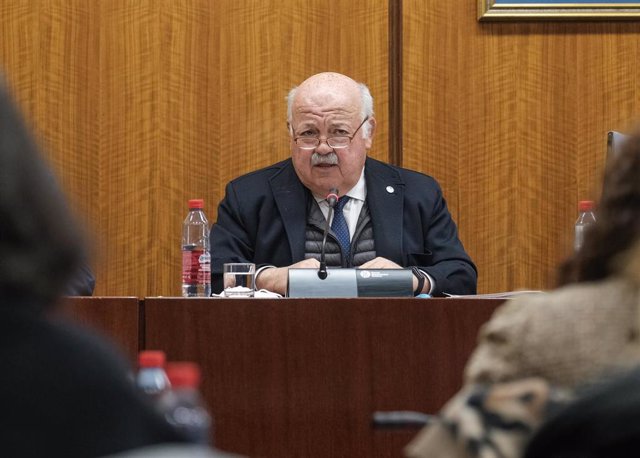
[332, 199]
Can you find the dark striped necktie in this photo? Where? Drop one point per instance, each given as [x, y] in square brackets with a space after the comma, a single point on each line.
[340, 227]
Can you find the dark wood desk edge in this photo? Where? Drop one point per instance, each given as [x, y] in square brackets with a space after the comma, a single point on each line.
[324, 299]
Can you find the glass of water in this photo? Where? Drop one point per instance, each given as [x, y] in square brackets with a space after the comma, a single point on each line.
[239, 279]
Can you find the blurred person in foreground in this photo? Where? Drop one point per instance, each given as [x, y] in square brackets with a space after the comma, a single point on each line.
[81, 283]
[604, 422]
[537, 349]
[65, 392]
[393, 217]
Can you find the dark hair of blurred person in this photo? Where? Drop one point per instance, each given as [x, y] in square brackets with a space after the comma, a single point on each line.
[605, 421]
[618, 215]
[64, 391]
[40, 245]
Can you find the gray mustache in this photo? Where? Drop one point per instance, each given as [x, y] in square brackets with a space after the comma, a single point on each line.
[328, 159]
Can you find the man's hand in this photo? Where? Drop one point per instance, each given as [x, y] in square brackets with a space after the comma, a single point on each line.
[275, 279]
[380, 263]
[384, 263]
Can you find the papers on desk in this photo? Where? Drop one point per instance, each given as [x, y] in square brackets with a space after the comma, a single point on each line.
[266, 293]
[502, 295]
[261, 293]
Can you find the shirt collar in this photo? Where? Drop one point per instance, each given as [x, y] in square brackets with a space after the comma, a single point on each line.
[359, 191]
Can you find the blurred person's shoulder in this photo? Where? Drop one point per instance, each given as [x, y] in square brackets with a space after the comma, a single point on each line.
[46, 346]
[584, 297]
[61, 379]
[556, 334]
[573, 310]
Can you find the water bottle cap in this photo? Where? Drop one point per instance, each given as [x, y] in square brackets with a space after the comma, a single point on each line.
[196, 203]
[151, 358]
[183, 374]
[585, 205]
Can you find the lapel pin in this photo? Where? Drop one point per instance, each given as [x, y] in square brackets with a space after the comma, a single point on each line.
[390, 189]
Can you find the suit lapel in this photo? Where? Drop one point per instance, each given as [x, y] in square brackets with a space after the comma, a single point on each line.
[385, 198]
[291, 200]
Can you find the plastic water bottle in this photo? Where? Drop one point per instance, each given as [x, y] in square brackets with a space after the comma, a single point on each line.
[151, 378]
[196, 259]
[183, 406]
[586, 217]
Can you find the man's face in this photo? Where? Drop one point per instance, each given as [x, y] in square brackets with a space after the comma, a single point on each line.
[327, 112]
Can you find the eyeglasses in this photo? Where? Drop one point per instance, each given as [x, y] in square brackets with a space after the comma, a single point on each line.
[335, 142]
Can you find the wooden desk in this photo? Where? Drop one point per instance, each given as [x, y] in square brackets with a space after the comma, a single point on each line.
[116, 317]
[300, 377]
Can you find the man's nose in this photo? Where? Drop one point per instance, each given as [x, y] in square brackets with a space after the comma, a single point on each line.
[323, 147]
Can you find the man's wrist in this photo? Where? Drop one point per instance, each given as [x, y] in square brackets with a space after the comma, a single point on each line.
[421, 277]
[427, 285]
[259, 272]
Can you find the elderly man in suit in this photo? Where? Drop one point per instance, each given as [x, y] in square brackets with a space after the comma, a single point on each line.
[386, 217]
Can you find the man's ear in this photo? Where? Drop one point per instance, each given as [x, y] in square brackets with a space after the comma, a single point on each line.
[372, 130]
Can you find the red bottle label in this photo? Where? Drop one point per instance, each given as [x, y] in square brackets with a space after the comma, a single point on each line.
[190, 266]
[196, 267]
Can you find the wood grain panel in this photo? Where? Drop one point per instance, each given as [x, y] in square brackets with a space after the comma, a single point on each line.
[19, 52]
[130, 129]
[418, 352]
[267, 47]
[189, 117]
[51, 64]
[117, 318]
[511, 118]
[448, 79]
[608, 60]
[294, 377]
[145, 104]
[546, 131]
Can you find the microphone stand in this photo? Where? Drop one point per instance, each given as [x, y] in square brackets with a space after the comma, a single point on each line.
[332, 199]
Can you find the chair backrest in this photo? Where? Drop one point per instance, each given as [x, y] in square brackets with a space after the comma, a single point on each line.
[615, 143]
[615, 140]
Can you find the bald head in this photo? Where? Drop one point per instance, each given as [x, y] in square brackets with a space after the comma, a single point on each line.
[329, 106]
[335, 89]
[329, 79]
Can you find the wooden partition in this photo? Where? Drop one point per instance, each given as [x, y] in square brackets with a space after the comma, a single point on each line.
[116, 318]
[512, 119]
[300, 377]
[143, 105]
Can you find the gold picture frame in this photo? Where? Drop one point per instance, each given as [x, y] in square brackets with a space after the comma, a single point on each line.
[506, 10]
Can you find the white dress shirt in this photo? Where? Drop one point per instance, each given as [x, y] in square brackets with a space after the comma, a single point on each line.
[351, 210]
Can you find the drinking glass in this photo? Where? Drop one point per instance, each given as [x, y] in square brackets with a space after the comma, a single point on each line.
[239, 279]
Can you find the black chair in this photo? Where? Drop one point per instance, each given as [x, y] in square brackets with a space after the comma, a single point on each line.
[615, 140]
[400, 419]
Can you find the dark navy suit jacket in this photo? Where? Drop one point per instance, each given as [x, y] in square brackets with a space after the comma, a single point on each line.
[263, 216]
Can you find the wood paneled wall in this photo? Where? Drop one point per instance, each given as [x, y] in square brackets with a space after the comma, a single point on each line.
[511, 118]
[143, 105]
